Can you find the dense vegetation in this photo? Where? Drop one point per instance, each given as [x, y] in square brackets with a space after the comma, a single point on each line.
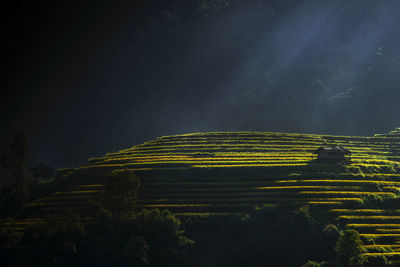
[213, 199]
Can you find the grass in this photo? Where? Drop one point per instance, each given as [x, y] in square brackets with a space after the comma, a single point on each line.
[349, 193]
[200, 174]
[381, 246]
[371, 225]
[363, 211]
[369, 217]
[325, 202]
[379, 235]
[306, 187]
[334, 181]
[381, 254]
[388, 230]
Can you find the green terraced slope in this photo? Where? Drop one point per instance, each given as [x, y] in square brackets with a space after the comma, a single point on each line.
[231, 172]
[245, 149]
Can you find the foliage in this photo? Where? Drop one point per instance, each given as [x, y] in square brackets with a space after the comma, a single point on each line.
[313, 264]
[19, 148]
[266, 235]
[18, 155]
[9, 240]
[349, 249]
[14, 195]
[162, 230]
[247, 169]
[136, 251]
[120, 192]
[148, 238]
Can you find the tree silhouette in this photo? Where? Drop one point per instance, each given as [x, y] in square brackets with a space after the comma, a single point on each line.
[349, 249]
[15, 191]
[18, 156]
[120, 193]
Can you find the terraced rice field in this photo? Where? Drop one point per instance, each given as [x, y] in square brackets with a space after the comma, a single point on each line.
[236, 171]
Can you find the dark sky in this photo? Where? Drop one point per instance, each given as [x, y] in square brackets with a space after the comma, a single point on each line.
[88, 77]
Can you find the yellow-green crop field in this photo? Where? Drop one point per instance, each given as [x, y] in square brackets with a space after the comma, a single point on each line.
[223, 173]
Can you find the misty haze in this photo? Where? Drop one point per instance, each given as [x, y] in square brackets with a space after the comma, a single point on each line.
[200, 133]
[95, 78]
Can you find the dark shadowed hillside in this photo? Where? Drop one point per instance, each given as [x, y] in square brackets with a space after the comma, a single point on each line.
[98, 77]
[233, 176]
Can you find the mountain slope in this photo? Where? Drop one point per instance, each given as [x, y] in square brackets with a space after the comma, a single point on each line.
[231, 172]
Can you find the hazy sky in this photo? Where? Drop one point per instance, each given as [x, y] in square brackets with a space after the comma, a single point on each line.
[83, 79]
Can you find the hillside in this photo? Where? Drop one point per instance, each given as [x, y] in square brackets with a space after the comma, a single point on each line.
[231, 172]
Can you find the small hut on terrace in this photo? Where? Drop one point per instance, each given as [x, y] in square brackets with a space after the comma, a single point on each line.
[333, 152]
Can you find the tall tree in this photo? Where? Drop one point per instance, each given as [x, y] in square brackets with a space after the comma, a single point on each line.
[18, 157]
[120, 193]
[16, 179]
[349, 249]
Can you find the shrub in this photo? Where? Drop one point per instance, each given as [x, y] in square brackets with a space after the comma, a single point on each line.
[349, 249]
[120, 192]
[313, 264]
